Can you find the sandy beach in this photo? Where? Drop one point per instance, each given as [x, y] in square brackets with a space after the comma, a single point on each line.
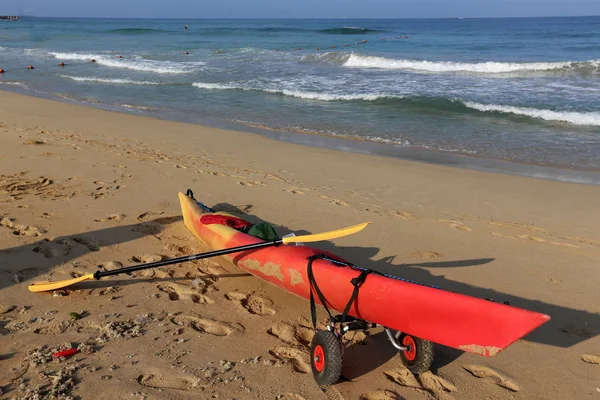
[83, 189]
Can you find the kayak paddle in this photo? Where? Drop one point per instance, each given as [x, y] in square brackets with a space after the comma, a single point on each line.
[317, 237]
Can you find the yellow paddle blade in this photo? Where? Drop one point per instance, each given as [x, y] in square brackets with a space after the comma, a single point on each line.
[47, 286]
[317, 237]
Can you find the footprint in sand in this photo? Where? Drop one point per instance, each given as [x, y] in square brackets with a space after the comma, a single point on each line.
[487, 373]
[205, 325]
[162, 381]
[533, 239]
[426, 382]
[251, 183]
[16, 185]
[4, 309]
[590, 358]
[35, 142]
[455, 224]
[91, 244]
[298, 358]
[426, 254]
[381, 395]
[402, 214]
[21, 230]
[110, 265]
[290, 334]
[296, 190]
[55, 329]
[149, 214]
[337, 202]
[437, 385]
[403, 377]
[252, 303]
[518, 226]
[111, 217]
[52, 249]
[147, 258]
[176, 292]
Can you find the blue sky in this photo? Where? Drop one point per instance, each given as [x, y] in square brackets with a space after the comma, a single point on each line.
[300, 9]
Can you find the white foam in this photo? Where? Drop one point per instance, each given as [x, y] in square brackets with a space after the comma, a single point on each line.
[215, 86]
[108, 80]
[136, 64]
[489, 67]
[329, 96]
[296, 93]
[572, 117]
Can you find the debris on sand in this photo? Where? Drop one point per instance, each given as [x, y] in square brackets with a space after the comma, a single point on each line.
[74, 316]
[123, 330]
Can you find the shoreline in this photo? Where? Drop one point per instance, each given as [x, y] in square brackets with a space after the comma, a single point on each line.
[355, 145]
[83, 189]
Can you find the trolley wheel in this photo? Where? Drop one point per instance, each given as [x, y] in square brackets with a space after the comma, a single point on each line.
[326, 358]
[419, 355]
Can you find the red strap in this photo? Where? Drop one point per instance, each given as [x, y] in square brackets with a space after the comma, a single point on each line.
[235, 223]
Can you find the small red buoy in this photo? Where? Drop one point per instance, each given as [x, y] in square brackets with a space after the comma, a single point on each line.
[30, 67]
[65, 353]
[61, 64]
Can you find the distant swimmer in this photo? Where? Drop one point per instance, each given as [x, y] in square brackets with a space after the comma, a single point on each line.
[345, 45]
[1, 71]
[364, 41]
[186, 53]
[61, 64]
[406, 37]
[356, 43]
[218, 51]
[186, 27]
[317, 48]
[30, 67]
[119, 56]
[276, 50]
[298, 48]
[333, 46]
[92, 60]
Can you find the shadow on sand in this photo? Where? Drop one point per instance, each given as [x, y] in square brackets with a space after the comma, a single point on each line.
[566, 328]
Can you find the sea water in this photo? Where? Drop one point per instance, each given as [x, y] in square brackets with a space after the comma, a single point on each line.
[524, 90]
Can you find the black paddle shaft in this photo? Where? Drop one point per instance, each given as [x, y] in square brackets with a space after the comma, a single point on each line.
[199, 256]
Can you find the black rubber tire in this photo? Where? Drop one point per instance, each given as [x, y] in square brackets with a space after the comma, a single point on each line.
[331, 367]
[423, 358]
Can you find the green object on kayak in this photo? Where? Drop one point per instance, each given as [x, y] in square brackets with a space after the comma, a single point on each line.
[263, 231]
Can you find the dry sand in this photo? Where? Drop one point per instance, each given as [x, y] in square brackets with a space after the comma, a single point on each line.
[82, 189]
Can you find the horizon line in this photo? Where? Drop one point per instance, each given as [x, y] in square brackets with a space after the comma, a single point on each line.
[311, 18]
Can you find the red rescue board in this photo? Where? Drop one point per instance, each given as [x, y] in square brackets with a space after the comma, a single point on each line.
[455, 320]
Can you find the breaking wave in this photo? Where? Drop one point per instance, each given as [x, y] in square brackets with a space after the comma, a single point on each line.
[591, 118]
[135, 64]
[576, 118]
[489, 67]
[109, 80]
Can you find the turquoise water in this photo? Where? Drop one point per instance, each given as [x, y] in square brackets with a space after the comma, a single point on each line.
[524, 90]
